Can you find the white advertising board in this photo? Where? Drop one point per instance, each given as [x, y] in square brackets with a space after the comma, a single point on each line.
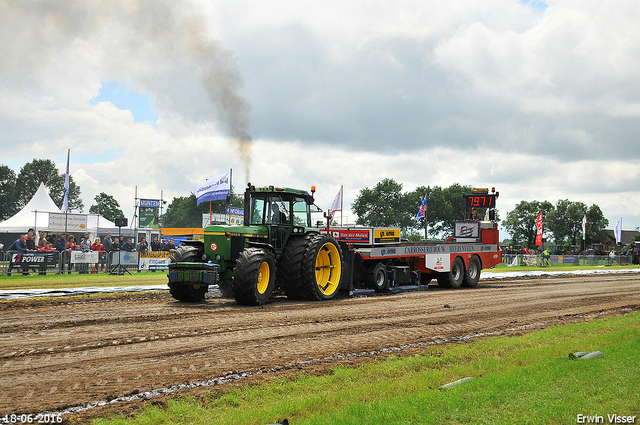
[67, 222]
[79, 257]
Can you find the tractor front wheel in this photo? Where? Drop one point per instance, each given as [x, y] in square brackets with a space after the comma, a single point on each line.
[183, 292]
[254, 277]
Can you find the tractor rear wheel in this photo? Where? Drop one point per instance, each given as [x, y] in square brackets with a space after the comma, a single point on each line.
[183, 292]
[290, 267]
[472, 276]
[254, 277]
[321, 268]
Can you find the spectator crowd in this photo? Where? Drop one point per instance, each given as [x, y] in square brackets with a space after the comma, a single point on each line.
[66, 243]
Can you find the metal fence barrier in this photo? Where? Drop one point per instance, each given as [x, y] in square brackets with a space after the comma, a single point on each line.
[513, 260]
[54, 262]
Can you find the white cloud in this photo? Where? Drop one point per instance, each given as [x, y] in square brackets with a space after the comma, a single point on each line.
[542, 105]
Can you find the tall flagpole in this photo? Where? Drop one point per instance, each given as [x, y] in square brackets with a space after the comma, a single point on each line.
[341, 203]
[426, 223]
[226, 210]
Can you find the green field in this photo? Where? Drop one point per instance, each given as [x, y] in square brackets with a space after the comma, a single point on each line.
[527, 379]
[57, 281]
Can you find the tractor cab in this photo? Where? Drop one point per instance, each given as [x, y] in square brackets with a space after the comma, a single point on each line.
[283, 211]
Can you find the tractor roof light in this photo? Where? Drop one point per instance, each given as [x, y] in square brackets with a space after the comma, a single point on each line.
[313, 190]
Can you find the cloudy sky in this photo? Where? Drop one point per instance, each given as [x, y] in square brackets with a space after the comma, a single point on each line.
[539, 99]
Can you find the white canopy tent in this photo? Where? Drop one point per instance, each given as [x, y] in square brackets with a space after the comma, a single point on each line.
[35, 215]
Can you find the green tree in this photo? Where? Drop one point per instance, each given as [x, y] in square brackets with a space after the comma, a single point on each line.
[565, 222]
[183, 212]
[521, 222]
[45, 171]
[385, 205]
[596, 225]
[444, 207]
[106, 206]
[8, 205]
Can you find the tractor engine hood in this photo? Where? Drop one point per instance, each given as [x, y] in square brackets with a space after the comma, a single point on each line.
[245, 231]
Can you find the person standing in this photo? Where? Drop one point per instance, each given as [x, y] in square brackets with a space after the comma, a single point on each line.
[71, 246]
[108, 242]
[61, 243]
[85, 246]
[143, 246]
[155, 244]
[115, 246]
[61, 247]
[546, 255]
[100, 249]
[42, 241]
[128, 246]
[30, 239]
[19, 245]
[170, 246]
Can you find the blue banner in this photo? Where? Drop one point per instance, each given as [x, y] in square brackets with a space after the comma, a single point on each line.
[154, 203]
[214, 189]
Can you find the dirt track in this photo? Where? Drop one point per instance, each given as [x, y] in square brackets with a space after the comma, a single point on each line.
[57, 353]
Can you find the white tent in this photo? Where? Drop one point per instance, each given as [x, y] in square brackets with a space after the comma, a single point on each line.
[36, 215]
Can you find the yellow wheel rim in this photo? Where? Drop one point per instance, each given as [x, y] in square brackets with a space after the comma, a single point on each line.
[328, 269]
[264, 275]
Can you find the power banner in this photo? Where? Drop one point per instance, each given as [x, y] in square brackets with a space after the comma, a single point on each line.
[148, 216]
[33, 260]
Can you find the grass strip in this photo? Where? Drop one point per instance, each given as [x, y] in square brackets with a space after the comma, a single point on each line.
[526, 379]
[57, 281]
[558, 268]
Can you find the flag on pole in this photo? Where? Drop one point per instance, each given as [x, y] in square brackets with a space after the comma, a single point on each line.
[214, 189]
[584, 228]
[65, 202]
[617, 231]
[337, 203]
[422, 212]
[539, 229]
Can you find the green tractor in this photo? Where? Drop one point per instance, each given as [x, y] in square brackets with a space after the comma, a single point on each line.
[276, 249]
